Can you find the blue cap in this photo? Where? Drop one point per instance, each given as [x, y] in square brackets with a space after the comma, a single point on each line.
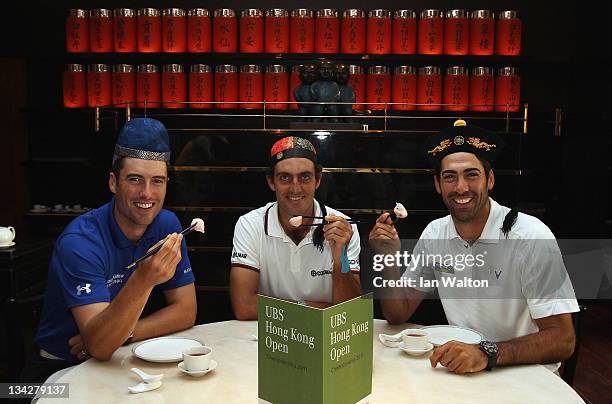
[143, 138]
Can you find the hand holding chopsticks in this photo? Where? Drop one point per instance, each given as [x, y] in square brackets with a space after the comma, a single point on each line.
[197, 224]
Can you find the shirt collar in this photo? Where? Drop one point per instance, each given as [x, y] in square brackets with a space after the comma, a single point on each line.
[273, 228]
[118, 237]
[490, 232]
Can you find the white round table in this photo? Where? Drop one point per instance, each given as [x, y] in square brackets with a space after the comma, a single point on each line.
[397, 377]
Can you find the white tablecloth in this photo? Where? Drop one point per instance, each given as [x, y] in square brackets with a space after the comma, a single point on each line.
[397, 377]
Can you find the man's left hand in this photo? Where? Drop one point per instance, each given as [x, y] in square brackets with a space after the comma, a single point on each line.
[458, 357]
[338, 232]
[77, 347]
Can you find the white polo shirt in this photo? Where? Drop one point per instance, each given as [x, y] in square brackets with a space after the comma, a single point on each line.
[525, 273]
[287, 271]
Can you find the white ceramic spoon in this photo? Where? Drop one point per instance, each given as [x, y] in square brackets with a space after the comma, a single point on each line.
[147, 378]
[142, 387]
[392, 341]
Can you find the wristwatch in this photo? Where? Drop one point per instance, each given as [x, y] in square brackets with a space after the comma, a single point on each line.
[492, 351]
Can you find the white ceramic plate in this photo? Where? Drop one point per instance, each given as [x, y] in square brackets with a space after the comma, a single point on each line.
[441, 334]
[12, 243]
[164, 349]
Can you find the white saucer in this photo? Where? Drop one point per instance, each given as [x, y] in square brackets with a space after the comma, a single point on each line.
[415, 352]
[12, 243]
[198, 373]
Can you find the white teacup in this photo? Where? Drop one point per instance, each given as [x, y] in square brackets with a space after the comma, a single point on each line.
[415, 339]
[7, 235]
[197, 359]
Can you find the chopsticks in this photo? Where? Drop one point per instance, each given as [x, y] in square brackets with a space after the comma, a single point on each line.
[156, 249]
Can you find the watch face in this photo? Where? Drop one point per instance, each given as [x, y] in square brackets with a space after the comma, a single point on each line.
[489, 347]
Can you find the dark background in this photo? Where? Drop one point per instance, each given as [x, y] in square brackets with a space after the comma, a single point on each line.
[51, 155]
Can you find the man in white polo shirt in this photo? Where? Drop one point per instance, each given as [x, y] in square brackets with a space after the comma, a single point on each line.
[313, 264]
[514, 290]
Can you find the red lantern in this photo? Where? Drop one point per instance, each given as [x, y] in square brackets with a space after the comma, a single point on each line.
[174, 91]
[98, 86]
[251, 31]
[75, 86]
[429, 89]
[77, 31]
[507, 90]
[404, 32]
[378, 87]
[302, 31]
[379, 32]
[431, 32]
[198, 30]
[148, 89]
[124, 29]
[124, 85]
[508, 34]
[276, 87]
[357, 80]
[456, 32]
[225, 31]
[277, 31]
[481, 89]
[482, 30]
[149, 30]
[327, 31]
[456, 87]
[226, 86]
[200, 86]
[251, 87]
[100, 30]
[404, 88]
[294, 81]
[174, 31]
[353, 31]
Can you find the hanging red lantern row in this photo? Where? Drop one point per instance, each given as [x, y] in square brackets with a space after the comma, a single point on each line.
[454, 32]
[404, 90]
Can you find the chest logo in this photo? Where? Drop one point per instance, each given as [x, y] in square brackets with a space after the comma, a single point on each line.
[86, 289]
[497, 274]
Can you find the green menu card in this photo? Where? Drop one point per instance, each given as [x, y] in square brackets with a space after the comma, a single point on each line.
[310, 355]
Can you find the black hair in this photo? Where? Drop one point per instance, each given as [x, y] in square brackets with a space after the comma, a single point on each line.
[317, 235]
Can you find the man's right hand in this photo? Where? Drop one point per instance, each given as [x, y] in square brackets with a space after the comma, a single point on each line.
[383, 236]
[160, 267]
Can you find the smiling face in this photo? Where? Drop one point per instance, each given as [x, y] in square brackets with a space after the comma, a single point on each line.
[464, 187]
[294, 181]
[140, 189]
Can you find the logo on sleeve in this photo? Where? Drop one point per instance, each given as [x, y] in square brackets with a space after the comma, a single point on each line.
[81, 288]
[236, 254]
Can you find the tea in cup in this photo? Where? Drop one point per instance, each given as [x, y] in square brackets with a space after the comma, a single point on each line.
[7, 235]
[415, 339]
[197, 359]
